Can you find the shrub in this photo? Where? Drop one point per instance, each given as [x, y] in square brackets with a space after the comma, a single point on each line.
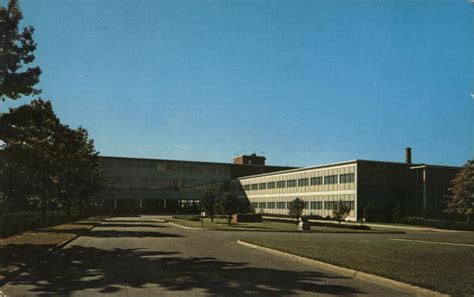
[443, 224]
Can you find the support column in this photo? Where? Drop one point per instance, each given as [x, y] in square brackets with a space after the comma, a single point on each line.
[115, 204]
[140, 203]
[164, 203]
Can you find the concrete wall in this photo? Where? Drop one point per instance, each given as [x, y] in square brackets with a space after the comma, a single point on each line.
[263, 191]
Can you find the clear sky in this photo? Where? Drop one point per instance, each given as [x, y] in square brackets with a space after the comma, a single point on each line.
[306, 82]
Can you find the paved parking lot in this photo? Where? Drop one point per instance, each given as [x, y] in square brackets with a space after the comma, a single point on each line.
[138, 256]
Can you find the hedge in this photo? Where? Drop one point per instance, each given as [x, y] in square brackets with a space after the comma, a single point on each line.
[442, 224]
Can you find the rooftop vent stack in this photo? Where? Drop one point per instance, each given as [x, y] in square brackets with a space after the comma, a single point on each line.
[408, 155]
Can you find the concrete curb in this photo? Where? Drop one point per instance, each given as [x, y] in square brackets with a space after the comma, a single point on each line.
[433, 242]
[21, 268]
[375, 279]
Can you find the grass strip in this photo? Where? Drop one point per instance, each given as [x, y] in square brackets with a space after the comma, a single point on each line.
[271, 226]
[446, 269]
[27, 248]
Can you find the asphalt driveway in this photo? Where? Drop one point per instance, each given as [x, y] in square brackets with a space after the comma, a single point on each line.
[139, 256]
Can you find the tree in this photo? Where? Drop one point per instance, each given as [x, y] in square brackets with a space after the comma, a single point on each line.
[341, 211]
[208, 204]
[296, 208]
[461, 200]
[16, 52]
[46, 162]
[80, 176]
[228, 205]
[29, 148]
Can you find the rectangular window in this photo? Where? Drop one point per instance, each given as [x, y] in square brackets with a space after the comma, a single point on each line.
[271, 185]
[281, 205]
[271, 205]
[262, 205]
[247, 187]
[317, 181]
[254, 205]
[291, 183]
[262, 186]
[316, 205]
[333, 204]
[349, 204]
[303, 182]
[254, 187]
[346, 178]
[281, 184]
[330, 179]
[306, 205]
[329, 205]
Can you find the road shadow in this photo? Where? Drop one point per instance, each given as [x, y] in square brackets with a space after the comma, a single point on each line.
[28, 254]
[85, 268]
[104, 233]
[132, 225]
[132, 221]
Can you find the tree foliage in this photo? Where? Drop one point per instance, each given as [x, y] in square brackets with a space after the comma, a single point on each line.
[341, 211]
[227, 205]
[16, 53]
[296, 208]
[46, 162]
[461, 198]
[209, 204]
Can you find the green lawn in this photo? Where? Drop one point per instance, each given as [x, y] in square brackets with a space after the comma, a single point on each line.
[447, 269]
[221, 224]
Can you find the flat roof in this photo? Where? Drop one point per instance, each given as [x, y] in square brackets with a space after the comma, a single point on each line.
[185, 161]
[298, 169]
[342, 163]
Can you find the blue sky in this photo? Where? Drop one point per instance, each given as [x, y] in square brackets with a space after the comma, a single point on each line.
[306, 82]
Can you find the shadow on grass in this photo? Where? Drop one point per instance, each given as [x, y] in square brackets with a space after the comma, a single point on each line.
[106, 271]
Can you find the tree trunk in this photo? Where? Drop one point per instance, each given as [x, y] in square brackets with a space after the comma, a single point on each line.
[68, 210]
[468, 218]
[229, 219]
[43, 211]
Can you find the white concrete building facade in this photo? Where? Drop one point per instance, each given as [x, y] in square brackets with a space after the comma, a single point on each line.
[319, 186]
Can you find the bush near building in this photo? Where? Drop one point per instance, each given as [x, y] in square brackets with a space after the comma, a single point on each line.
[296, 208]
[442, 224]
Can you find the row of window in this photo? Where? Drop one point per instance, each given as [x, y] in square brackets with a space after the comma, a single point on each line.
[328, 205]
[303, 182]
[155, 166]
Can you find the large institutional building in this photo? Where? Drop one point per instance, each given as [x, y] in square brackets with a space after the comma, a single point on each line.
[154, 185]
[374, 190]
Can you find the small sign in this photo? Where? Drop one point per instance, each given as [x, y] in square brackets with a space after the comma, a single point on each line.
[203, 214]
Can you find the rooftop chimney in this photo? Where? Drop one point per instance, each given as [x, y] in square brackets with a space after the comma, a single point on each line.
[408, 155]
